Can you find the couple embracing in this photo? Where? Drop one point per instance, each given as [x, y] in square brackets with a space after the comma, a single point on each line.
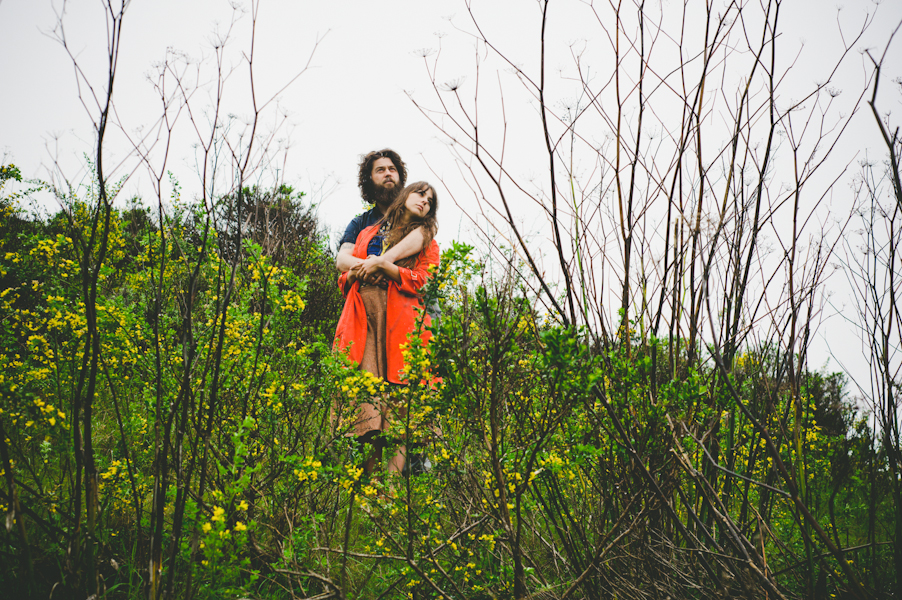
[384, 259]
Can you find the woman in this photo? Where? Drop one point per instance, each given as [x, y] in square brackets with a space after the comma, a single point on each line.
[376, 320]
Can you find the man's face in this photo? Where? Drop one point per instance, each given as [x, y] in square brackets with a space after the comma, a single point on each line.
[385, 174]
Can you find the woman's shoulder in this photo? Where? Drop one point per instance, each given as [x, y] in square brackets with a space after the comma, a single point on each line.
[367, 233]
[370, 228]
[432, 252]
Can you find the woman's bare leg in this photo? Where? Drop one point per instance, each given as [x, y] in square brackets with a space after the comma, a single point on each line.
[371, 445]
[396, 463]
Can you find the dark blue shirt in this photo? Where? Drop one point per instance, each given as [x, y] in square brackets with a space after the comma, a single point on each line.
[358, 224]
[376, 245]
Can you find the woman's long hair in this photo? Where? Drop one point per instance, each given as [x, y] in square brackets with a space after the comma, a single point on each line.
[397, 232]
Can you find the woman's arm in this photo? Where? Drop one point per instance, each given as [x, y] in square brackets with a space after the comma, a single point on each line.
[389, 271]
[411, 244]
[411, 280]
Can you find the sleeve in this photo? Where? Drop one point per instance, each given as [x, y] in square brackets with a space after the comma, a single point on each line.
[413, 279]
[352, 231]
[343, 284]
[357, 222]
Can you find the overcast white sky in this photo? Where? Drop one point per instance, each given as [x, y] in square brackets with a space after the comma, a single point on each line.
[350, 101]
[353, 98]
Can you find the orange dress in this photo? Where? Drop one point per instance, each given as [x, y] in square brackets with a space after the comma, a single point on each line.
[403, 308]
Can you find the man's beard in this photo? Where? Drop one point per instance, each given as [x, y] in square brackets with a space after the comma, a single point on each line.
[384, 197]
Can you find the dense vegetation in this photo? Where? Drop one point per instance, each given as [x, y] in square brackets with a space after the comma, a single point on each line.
[171, 420]
[620, 407]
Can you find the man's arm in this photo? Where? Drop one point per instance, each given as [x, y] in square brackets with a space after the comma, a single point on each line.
[409, 280]
[410, 245]
[346, 259]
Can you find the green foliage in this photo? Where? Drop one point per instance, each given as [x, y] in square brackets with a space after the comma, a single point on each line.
[220, 417]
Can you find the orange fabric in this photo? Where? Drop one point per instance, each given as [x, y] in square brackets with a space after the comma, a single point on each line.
[401, 312]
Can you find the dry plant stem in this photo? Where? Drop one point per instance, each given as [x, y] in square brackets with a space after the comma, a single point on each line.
[647, 475]
[604, 547]
[857, 588]
[128, 462]
[883, 315]
[14, 509]
[722, 515]
[558, 243]
[178, 413]
[346, 544]
[408, 558]
[81, 552]
[212, 368]
[334, 590]
[479, 153]
[359, 554]
[172, 424]
[891, 143]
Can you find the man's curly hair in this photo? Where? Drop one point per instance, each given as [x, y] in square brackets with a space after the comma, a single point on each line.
[365, 171]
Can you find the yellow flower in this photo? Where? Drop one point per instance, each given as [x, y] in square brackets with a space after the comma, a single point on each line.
[207, 527]
[239, 526]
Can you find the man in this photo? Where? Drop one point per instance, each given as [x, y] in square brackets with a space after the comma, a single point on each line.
[381, 177]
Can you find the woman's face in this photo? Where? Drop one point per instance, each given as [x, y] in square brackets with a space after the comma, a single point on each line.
[419, 202]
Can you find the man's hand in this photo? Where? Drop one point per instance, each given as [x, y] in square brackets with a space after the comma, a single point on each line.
[353, 274]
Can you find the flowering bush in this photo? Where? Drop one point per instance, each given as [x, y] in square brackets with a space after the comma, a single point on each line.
[214, 435]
